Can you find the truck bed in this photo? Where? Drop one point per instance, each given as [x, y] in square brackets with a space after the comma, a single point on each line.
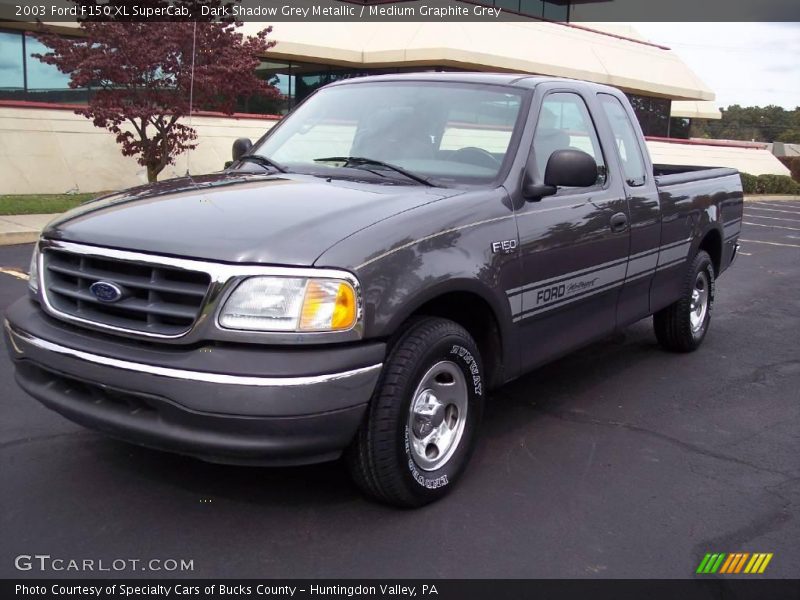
[667, 175]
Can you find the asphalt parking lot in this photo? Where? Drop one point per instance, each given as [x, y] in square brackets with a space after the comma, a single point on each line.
[620, 461]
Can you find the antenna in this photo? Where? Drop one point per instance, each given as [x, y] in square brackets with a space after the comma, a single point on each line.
[191, 91]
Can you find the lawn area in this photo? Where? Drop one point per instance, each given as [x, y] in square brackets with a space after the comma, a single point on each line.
[33, 204]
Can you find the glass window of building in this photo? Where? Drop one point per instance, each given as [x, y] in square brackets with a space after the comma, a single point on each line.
[680, 127]
[541, 9]
[42, 76]
[24, 77]
[12, 74]
[532, 7]
[556, 12]
[280, 75]
[652, 113]
[508, 4]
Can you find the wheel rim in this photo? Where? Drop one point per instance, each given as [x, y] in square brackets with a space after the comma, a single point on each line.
[699, 305]
[437, 415]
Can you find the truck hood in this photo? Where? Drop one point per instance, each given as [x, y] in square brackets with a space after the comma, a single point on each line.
[286, 219]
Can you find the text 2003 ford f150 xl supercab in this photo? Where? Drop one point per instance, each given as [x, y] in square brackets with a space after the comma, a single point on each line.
[359, 279]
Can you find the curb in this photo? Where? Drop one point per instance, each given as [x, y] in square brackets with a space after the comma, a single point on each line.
[13, 238]
[769, 198]
[22, 229]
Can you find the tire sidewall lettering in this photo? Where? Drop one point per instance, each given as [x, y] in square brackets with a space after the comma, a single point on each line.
[459, 354]
[472, 367]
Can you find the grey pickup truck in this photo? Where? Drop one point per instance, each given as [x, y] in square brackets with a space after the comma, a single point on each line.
[356, 282]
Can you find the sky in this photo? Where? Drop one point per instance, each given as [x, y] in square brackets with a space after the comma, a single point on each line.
[751, 64]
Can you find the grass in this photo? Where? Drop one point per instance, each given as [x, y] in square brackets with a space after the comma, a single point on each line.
[36, 204]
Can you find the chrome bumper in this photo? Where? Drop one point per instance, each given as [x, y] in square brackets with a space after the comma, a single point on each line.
[735, 252]
[19, 340]
[220, 417]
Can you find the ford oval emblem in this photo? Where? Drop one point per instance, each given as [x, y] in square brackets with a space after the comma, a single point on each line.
[105, 291]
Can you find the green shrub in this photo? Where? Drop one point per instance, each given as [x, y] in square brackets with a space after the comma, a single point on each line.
[793, 164]
[748, 183]
[777, 184]
[769, 184]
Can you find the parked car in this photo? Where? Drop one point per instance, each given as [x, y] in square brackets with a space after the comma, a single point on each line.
[362, 277]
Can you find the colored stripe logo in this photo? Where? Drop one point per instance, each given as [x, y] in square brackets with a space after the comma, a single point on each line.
[733, 563]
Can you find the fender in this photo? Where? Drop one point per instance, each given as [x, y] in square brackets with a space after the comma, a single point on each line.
[709, 231]
[499, 308]
[409, 259]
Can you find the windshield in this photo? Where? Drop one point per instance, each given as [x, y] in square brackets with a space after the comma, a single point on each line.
[439, 132]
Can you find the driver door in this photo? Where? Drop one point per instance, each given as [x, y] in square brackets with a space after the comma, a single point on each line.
[574, 245]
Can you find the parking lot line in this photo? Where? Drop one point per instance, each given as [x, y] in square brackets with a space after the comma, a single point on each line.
[772, 218]
[14, 273]
[791, 212]
[770, 243]
[771, 226]
[757, 204]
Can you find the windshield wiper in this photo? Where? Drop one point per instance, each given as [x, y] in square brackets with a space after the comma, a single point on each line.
[263, 161]
[361, 160]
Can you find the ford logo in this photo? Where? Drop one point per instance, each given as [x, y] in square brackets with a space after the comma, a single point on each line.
[105, 291]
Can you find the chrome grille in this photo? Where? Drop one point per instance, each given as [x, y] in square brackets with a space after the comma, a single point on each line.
[156, 299]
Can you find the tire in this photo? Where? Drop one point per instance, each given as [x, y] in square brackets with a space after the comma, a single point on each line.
[434, 366]
[683, 325]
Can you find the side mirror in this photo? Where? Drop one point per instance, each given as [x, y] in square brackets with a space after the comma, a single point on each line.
[565, 168]
[241, 147]
[570, 168]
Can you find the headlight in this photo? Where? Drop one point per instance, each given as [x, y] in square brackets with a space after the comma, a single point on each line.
[33, 271]
[291, 304]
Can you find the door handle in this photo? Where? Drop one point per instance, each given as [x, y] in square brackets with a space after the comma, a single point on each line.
[619, 222]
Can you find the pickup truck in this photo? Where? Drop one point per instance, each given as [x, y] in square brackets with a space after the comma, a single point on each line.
[356, 282]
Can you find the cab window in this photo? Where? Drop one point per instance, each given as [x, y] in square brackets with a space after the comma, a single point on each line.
[626, 140]
[564, 123]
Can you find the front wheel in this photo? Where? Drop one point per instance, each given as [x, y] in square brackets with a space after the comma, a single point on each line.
[423, 418]
[682, 326]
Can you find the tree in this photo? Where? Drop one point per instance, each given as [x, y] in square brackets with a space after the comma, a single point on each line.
[757, 123]
[140, 74]
[792, 132]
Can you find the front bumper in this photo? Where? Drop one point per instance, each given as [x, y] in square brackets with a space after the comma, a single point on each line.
[222, 403]
[734, 253]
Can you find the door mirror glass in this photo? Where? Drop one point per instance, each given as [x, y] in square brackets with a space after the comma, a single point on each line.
[241, 147]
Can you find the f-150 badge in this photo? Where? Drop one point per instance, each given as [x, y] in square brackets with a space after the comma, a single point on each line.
[504, 246]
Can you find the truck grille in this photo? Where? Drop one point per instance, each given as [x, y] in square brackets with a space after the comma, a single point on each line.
[156, 299]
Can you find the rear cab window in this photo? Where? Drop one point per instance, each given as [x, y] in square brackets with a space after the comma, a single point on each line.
[625, 139]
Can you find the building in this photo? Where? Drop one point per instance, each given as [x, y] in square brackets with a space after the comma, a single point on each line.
[783, 150]
[684, 111]
[40, 134]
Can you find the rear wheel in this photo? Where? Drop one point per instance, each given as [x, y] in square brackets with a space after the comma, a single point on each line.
[423, 418]
[682, 326]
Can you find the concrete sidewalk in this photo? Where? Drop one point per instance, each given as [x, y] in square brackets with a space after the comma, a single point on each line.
[24, 229]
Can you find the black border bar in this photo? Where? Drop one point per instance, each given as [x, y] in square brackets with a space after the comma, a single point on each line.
[275, 11]
[716, 588]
